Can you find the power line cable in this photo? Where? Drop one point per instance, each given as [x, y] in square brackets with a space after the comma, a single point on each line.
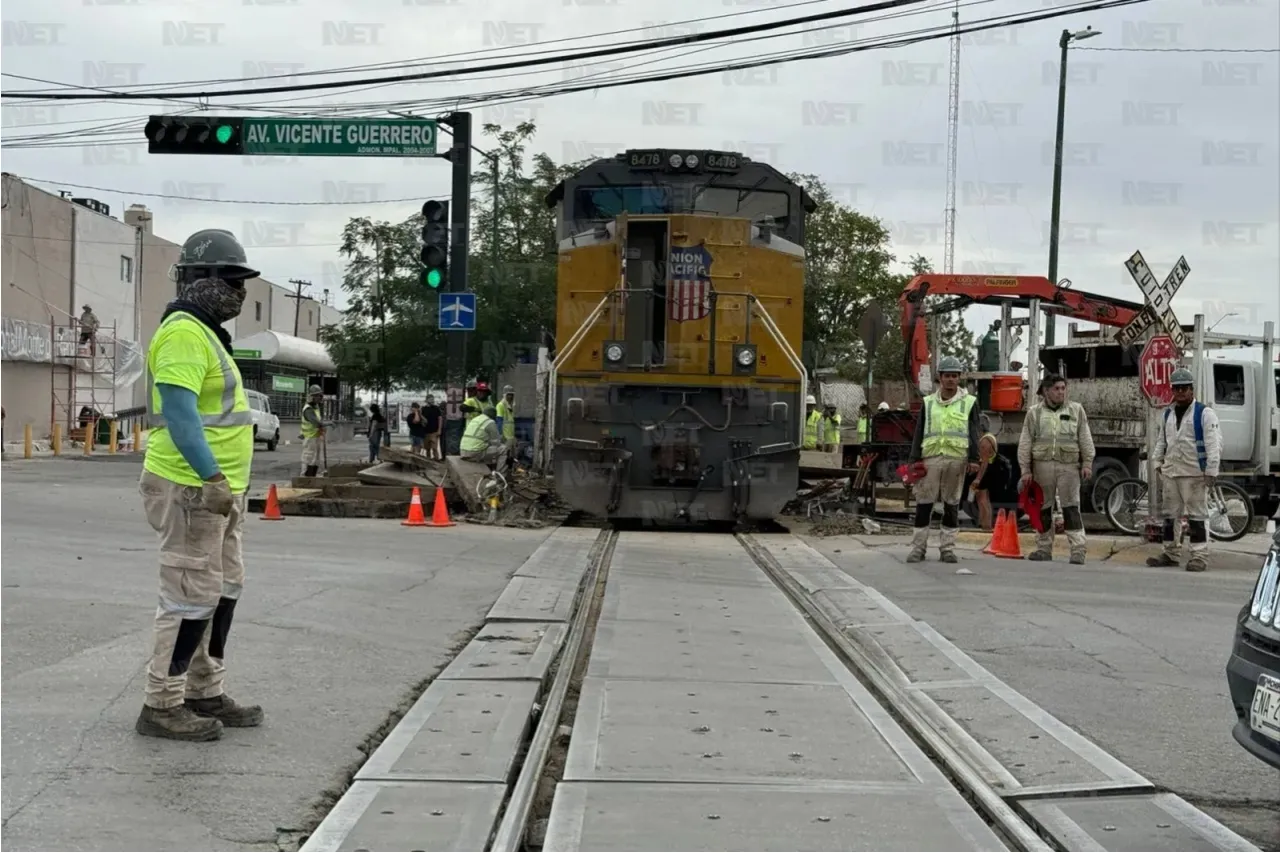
[119, 191]
[1183, 49]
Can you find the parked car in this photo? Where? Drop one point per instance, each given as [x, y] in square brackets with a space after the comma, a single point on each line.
[266, 425]
[1253, 672]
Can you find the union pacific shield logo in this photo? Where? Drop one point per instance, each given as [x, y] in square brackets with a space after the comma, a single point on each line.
[689, 294]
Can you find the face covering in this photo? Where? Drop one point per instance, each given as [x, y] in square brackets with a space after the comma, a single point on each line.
[217, 297]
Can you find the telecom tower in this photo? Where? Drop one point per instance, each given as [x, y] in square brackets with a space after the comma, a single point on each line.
[953, 135]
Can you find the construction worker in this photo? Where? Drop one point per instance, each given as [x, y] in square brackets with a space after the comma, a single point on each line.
[1187, 455]
[1056, 450]
[195, 476]
[470, 400]
[947, 440]
[812, 423]
[864, 423]
[88, 325]
[506, 410]
[313, 431]
[482, 442]
[831, 429]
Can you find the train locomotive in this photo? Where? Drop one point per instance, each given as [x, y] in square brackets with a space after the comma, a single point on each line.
[677, 386]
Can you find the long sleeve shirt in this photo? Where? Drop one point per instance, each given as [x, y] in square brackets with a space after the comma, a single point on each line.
[1084, 435]
[1175, 450]
[975, 431]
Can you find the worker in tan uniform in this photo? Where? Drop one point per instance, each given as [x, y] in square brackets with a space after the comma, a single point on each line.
[1187, 457]
[946, 439]
[1056, 449]
[193, 485]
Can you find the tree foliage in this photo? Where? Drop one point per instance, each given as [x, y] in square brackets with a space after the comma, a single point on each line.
[512, 269]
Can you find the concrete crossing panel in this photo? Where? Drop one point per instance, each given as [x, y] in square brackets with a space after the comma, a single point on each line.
[410, 816]
[508, 650]
[535, 600]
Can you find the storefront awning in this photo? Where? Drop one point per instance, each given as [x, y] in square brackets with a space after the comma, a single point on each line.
[279, 348]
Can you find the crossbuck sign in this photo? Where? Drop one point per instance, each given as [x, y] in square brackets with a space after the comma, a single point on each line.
[1159, 298]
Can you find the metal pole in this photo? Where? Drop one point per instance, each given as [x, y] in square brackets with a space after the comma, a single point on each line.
[1055, 213]
[382, 324]
[493, 247]
[459, 223]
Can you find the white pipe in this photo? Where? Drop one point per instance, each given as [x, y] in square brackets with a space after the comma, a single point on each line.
[795, 362]
[574, 342]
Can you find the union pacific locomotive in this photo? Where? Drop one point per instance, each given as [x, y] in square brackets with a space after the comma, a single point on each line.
[678, 385]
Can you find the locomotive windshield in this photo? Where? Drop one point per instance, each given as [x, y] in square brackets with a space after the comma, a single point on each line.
[595, 204]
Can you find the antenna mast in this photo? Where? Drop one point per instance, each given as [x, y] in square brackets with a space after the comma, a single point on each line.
[953, 134]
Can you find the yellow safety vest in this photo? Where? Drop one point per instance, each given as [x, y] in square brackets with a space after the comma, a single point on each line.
[946, 426]
[508, 414]
[811, 425]
[833, 430]
[864, 430]
[221, 402]
[473, 439]
[1055, 435]
[473, 403]
[309, 430]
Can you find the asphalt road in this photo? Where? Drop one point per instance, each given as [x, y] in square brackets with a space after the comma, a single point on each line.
[1131, 657]
[340, 620]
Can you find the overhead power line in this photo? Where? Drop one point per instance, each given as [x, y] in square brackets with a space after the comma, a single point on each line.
[415, 200]
[614, 50]
[1183, 49]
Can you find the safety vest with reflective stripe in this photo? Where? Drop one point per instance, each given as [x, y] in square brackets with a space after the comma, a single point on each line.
[811, 426]
[473, 439]
[864, 430]
[224, 413]
[473, 402]
[1055, 433]
[508, 414]
[946, 426]
[833, 430]
[309, 430]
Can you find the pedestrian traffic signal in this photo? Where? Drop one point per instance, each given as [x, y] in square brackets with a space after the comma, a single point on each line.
[208, 135]
[435, 243]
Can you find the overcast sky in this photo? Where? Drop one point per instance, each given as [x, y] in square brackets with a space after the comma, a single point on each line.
[1172, 153]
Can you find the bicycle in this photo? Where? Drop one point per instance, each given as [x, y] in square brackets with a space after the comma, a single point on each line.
[1230, 509]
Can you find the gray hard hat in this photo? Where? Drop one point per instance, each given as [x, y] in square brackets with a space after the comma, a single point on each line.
[490, 411]
[218, 251]
[1182, 376]
[507, 389]
[950, 364]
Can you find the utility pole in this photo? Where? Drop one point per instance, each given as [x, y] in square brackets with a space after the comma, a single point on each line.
[297, 298]
[382, 331]
[459, 247]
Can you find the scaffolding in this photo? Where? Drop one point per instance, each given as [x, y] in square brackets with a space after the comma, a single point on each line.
[85, 367]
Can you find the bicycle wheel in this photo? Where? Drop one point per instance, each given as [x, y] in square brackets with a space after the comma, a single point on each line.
[1126, 506]
[1230, 512]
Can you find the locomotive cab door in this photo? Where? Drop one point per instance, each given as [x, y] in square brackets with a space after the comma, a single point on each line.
[646, 277]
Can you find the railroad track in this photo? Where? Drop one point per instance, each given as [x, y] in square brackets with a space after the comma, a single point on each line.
[698, 691]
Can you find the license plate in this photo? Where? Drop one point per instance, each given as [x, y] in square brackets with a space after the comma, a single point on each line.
[1264, 716]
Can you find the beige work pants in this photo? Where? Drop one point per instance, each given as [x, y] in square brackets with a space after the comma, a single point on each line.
[1187, 496]
[1060, 480]
[495, 454]
[201, 576]
[310, 452]
[943, 481]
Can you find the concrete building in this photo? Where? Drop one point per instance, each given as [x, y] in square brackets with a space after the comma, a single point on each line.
[60, 254]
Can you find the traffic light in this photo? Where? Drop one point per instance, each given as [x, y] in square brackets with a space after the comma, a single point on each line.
[435, 243]
[208, 135]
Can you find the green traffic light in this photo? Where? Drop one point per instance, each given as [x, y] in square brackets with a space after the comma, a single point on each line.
[433, 278]
[223, 134]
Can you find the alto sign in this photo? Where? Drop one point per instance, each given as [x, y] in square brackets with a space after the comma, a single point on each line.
[1159, 359]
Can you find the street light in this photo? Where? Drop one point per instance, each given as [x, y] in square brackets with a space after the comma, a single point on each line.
[1063, 42]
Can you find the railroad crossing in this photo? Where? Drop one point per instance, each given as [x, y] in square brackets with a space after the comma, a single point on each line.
[1159, 299]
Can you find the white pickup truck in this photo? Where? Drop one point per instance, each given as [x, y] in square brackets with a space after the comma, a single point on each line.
[266, 425]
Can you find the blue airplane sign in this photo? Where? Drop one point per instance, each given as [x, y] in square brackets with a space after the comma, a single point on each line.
[458, 312]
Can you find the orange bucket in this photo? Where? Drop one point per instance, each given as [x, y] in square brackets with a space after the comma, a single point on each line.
[1006, 392]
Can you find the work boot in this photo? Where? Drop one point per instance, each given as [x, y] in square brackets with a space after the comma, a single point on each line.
[177, 723]
[224, 708]
[1077, 558]
[1196, 564]
[1040, 556]
[1162, 561]
[948, 557]
[916, 555]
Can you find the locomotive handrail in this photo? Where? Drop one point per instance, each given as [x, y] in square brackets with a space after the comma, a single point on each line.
[569, 348]
[786, 347]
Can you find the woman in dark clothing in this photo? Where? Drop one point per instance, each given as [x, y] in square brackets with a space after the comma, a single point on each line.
[994, 487]
[377, 427]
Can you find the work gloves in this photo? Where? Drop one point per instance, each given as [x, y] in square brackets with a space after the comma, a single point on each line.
[216, 496]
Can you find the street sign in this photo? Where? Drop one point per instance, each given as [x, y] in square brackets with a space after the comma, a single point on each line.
[1155, 367]
[458, 312]
[246, 353]
[338, 137]
[1158, 311]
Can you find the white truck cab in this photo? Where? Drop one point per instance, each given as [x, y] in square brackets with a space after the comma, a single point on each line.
[266, 425]
[1244, 397]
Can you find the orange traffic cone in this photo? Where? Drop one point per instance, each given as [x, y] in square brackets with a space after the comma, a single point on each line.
[1008, 545]
[273, 506]
[996, 533]
[440, 512]
[416, 518]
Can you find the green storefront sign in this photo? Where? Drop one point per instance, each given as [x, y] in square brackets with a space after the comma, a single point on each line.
[295, 384]
[246, 353]
[331, 137]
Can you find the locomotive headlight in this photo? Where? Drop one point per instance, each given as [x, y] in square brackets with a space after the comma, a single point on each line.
[676, 161]
[746, 357]
[691, 161]
[613, 353]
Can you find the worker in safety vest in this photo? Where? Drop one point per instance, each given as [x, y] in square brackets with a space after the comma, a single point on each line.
[1056, 449]
[506, 410]
[812, 423]
[864, 423]
[195, 476]
[831, 429]
[471, 401]
[481, 442]
[313, 431]
[947, 440]
[1187, 455]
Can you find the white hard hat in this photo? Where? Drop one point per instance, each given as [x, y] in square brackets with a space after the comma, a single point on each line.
[811, 400]
[883, 407]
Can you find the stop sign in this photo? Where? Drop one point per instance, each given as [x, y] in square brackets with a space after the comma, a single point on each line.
[1155, 366]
